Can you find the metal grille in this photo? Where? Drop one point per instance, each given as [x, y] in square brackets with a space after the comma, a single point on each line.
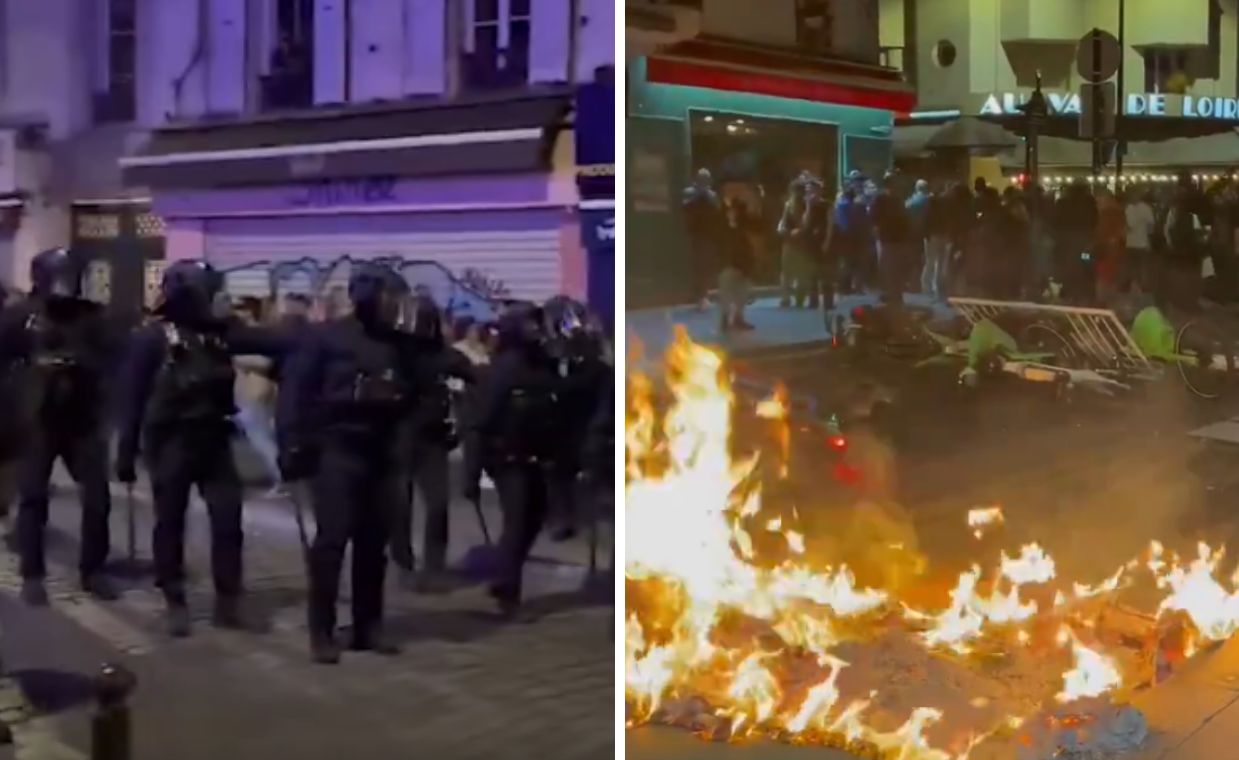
[149, 226]
[1096, 333]
[98, 226]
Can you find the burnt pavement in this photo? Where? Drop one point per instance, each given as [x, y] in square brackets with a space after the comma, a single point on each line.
[466, 685]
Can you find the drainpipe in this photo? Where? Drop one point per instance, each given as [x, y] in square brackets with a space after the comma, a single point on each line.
[574, 38]
[348, 51]
[178, 84]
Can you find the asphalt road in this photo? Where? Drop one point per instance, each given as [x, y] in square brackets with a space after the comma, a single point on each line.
[466, 686]
[1091, 479]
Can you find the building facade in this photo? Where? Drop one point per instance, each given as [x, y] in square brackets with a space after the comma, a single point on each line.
[756, 94]
[284, 139]
[981, 58]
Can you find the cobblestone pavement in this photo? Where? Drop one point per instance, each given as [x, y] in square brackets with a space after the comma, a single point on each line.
[466, 685]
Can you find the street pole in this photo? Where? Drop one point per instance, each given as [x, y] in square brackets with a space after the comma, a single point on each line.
[1097, 103]
[1120, 146]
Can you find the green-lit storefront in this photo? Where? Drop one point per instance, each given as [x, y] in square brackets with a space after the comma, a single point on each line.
[755, 120]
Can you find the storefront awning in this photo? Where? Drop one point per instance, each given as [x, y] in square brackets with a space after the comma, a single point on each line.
[718, 65]
[509, 134]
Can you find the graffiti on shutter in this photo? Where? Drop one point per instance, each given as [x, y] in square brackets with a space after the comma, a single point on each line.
[473, 292]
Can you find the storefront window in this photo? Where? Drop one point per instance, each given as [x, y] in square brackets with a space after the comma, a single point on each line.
[753, 161]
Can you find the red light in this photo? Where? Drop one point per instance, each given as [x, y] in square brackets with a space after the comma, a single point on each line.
[838, 442]
[847, 474]
[859, 312]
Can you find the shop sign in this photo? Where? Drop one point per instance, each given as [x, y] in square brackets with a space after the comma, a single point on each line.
[1152, 104]
[330, 193]
[604, 230]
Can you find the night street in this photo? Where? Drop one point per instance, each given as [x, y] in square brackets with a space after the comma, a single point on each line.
[465, 686]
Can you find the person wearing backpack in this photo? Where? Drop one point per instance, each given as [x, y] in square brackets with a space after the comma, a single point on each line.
[343, 406]
[176, 410]
[517, 421]
[59, 343]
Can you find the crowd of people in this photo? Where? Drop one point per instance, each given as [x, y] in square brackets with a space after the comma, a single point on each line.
[1080, 243]
[361, 401]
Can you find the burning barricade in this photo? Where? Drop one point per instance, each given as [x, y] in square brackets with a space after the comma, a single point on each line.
[737, 628]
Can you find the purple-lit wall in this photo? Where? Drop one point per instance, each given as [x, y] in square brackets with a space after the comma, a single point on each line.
[48, 53]
[399, 48]
[442, 205]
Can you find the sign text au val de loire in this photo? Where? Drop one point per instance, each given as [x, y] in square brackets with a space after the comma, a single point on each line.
[1151, 104]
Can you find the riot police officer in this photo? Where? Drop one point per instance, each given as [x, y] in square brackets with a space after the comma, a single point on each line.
[516, 420]
[59, 341]
[176, 408]
[433, 433]
[342, 401]
[577, 358]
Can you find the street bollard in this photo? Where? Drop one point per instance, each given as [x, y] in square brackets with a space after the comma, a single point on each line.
[111, 729]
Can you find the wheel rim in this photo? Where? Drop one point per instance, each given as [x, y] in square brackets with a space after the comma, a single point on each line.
[1201, 345]
[1040, 338]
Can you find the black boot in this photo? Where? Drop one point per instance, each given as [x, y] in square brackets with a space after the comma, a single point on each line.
[34, 593]
[323, 649]
[370, 638]
[507, 603]
[100, 587]
[227, 612]
[177, 618]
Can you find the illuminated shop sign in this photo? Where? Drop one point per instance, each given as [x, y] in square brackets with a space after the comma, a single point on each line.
[1138, 104]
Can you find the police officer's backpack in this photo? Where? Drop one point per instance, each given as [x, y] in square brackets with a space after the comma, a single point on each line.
[197, 379]
[63, 388]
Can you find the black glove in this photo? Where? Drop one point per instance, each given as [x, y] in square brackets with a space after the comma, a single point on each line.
[296, 464]
[127, 465]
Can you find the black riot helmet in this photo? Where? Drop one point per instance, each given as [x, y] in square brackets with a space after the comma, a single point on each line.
[376, 292]
[520, 327]
[192, 294]
[565, 317]
[426, 322]
[56, 274]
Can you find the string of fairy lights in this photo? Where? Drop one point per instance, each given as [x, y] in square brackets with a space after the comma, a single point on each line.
[1133, 178]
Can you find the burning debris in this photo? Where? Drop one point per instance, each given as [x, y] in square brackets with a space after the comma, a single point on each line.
[736, 631]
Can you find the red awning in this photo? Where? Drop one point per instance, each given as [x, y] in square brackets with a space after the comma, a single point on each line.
[841, 90]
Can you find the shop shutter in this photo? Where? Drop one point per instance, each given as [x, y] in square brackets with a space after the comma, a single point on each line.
[521, 262]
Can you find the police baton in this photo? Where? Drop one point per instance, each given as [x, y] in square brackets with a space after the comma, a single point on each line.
[132, 525]
[299, 514]
[477, 508]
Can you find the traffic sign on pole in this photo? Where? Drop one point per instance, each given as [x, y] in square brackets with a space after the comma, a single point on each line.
[1098, 55]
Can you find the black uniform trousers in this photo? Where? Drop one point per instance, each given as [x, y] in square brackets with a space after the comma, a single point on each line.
[428, 478]
[85, 454]
[563, 489]
[355, 492]
[522, 488]
[177, 462]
